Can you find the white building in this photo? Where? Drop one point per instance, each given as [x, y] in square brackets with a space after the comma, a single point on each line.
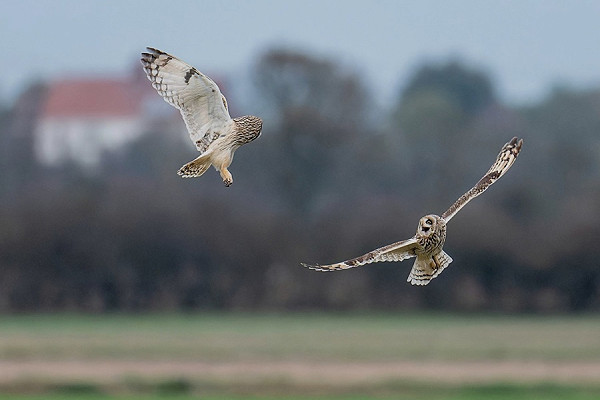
[82, 118]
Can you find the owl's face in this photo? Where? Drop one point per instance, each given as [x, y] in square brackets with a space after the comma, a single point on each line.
[429, 224]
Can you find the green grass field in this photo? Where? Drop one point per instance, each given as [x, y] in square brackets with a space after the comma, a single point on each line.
[488, 392]
[299, 356]
[341, 337]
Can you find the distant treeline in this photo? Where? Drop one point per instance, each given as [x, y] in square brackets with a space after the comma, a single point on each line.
[333, 175]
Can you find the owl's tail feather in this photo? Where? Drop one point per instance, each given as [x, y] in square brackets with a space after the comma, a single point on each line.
[426, 268]
[195, 168]
[443, 260]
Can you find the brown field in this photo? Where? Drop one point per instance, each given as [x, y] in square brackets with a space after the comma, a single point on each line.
[320, 350]
[303, 372]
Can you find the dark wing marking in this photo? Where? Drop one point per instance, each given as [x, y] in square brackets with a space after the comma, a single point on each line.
[504, 161]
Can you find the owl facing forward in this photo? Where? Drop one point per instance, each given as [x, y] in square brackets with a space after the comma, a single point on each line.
[204, 110]
[426, 245]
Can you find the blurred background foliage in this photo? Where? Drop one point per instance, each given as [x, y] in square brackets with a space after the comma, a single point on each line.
[334, 174]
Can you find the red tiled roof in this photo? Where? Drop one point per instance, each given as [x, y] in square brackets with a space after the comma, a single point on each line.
[91, 97]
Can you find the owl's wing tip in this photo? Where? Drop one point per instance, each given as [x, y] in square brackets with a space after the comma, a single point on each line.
[315, 267]
[415, 282]
[516, 143]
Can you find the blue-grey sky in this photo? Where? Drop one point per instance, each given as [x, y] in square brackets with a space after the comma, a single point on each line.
[525, 45]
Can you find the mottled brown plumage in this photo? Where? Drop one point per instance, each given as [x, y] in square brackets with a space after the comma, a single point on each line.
[429, 240]
[204, 111]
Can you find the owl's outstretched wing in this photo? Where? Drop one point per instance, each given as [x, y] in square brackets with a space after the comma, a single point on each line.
[393, 252]
[202, 105]
[504, 161]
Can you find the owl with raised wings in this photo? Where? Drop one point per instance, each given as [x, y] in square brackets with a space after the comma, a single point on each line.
[204, 110]
[427, 243]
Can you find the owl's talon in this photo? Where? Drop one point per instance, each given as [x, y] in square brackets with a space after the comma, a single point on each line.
[227, 182]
